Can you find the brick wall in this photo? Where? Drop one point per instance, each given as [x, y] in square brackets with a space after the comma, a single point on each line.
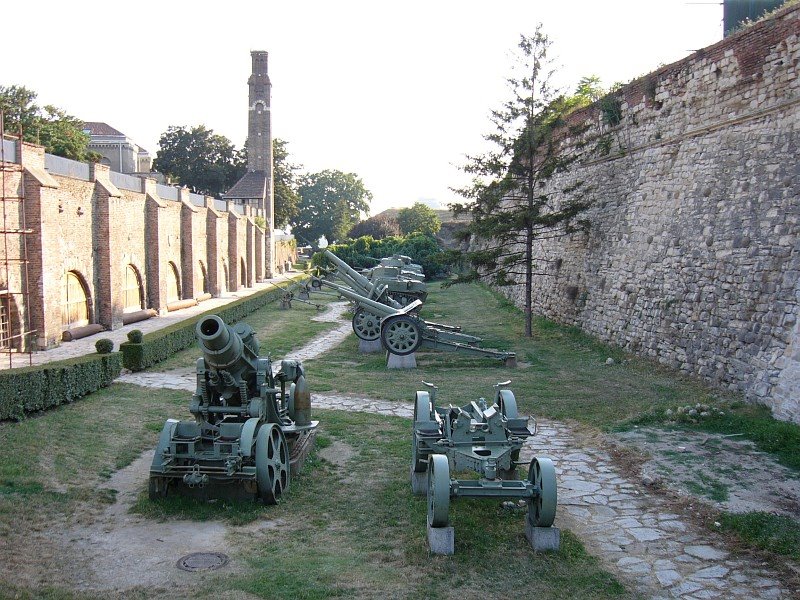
[692, 257]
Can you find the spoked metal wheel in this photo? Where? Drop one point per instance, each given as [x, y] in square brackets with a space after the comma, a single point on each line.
[423, 413]
[542, 508]
[272, 463]
[366, 325]
[438, 490]
[401, 335]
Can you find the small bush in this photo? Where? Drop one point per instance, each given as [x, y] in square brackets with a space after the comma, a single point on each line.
[135, 336]
[104, 346]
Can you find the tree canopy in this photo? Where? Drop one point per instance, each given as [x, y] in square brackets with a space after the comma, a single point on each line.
[331, 202]
[420, 218]
[287, 200]
[60, 134]
[200, 159]
[516, 197]
[377, 227]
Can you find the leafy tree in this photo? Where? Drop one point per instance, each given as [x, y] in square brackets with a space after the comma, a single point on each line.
[419, 218]
[514, 199]
[377, 227]
[287, 200]
[330, 203]
[200, 159]
[60, 134]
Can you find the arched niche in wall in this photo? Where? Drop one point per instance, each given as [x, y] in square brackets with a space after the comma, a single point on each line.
[9, 323]
[133, 290]
[75, 306]
[203, 274]
[173, 283]
[243, 273]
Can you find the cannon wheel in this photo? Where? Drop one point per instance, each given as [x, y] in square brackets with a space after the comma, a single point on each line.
[507, 404]
[542, 508]
[366, 325]
[401, 335]
[157, 487]
[272, 463]
[438, 490]
[423, 412]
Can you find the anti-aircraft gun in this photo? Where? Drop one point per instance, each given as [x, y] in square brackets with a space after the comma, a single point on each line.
[251, 427]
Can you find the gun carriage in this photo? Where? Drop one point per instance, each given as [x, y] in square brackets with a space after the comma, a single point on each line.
[480, 438]
[251, 429]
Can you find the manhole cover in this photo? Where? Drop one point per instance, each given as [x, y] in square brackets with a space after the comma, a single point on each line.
[202, 561]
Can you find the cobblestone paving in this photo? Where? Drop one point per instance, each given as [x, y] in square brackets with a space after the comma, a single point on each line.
[633, 532]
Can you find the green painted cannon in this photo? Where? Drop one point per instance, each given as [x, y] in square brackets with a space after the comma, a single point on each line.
[387, 286]
[480, 438]
[251, 429]
[403, 332]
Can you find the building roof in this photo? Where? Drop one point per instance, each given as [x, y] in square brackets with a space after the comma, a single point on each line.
[97, 128]
[251, 187]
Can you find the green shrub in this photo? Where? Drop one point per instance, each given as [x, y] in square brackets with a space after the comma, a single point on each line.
[104, 346]
[37, 388]
[160, 345]
[135, 336]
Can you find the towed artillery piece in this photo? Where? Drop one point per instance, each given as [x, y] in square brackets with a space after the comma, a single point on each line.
[252, 429]
[480, 438]
[388, 286]
[403, 332]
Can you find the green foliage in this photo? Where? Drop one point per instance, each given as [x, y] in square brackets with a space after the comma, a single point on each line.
[331, 202]
[514, 198]
[362, 252]
[260, 222]
[200, 159]
[775, 533]
[37, 388]
[419, 218]
[160, 345]
[135, 336]
[377, 227]
[104, 346]
[60, 134]
[287, 200]
[611, 110]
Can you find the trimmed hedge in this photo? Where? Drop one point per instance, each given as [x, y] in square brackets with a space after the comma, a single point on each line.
[160, 345]
[32, 389]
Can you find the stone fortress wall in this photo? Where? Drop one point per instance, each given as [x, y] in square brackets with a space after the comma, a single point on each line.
[129, 250]
[692, 257]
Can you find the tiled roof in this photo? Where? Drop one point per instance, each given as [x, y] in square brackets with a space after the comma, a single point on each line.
[252, 186]
[101, 129]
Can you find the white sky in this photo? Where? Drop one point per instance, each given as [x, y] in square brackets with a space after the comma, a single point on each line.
[396, 92]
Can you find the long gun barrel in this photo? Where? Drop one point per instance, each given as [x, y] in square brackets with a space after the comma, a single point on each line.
[363, 283]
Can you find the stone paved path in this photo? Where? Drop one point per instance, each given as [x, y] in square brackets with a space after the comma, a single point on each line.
[632, 531]
[85, 345]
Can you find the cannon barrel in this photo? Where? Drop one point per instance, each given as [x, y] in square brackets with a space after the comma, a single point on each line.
[224, 347]
[382, 310]
[362, 281]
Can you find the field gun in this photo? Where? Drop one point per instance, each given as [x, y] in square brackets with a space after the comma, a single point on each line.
[394, 289]
[251, 427]
[403, 332]
[480, 438]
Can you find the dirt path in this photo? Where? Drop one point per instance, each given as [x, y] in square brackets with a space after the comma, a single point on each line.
[633, 531]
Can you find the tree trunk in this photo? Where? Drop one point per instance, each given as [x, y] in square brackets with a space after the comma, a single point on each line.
[529, 281]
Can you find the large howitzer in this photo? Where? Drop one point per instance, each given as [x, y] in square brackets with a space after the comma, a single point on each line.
[403, 332]
[480, 438]
[392, 290]
[248, 428]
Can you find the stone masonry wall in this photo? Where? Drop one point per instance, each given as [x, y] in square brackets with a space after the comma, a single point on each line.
[692, 257]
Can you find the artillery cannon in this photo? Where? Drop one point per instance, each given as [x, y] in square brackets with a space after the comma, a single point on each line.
[248, 428]
[403, 332]
[391, 289]
[481, 438]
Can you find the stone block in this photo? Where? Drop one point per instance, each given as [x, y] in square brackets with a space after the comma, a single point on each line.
[369, 346]
[441, 540]
[543, 539]
[419, 482]
[393, 361]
